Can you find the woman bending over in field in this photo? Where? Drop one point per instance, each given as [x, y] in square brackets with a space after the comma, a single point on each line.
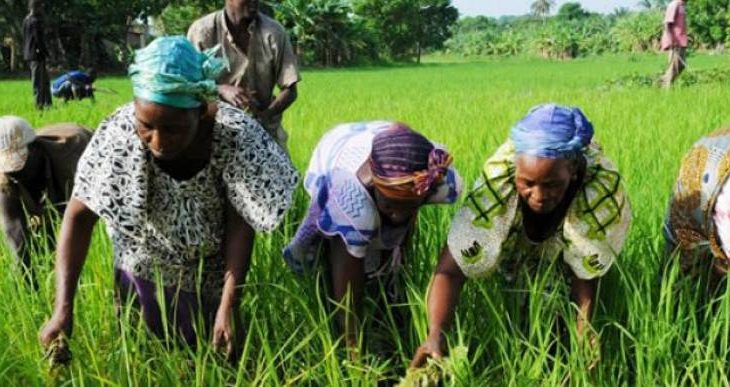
[547, 198]
[181, 184]
[367, 182]
[698, 220]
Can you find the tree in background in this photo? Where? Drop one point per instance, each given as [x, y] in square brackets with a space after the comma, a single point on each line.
[338, 32]
[572, 11]
[708, 21]
[326, 32]
[542, 8]
[176, 18]
[653, 4]
[11, 23]
[94, 33]
[435, 24]
[406, 27]
[639, 31]
[341, 32]
[619, 12]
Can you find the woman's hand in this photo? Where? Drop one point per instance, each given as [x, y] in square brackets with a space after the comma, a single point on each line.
[583, 293]
[443, 295]
[432, 348]
[74, 240]
[227, 329]
[223, 335]
[60, 323]
[53, 338]
[588, 341]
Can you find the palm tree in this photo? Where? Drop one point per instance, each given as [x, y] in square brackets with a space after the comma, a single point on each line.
[541, 8]
[653, 4]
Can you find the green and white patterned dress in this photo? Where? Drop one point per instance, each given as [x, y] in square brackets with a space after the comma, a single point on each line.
[488, 235]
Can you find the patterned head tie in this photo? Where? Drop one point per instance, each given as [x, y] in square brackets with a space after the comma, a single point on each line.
[553, 132]
[405, 164]
[170, 71]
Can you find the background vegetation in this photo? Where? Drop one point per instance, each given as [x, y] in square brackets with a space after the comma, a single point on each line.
[102, 34]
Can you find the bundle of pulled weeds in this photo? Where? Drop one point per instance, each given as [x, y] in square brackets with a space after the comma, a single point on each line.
[449, 371]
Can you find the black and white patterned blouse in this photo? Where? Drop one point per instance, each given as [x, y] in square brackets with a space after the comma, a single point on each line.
[166, 230]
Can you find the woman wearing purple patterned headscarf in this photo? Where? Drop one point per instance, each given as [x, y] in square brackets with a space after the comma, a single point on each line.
[548, 198]
[367, 181]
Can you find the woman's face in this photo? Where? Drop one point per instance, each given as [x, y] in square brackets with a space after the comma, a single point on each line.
[397, 211]
[542, 183]
[166, 131]
[32, 167]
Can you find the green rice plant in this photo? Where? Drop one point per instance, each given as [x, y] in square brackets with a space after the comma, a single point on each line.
[654, 326]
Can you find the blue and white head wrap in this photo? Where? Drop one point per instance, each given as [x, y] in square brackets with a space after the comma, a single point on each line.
[172, 72]
[552, 131]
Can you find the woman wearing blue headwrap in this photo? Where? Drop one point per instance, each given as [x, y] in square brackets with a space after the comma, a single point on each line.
[181, 184]
[547, 198]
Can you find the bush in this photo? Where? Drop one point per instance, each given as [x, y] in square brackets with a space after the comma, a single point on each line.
[639, 31]
[560, 37]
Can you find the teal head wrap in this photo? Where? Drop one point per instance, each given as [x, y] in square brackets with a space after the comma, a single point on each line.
[170, 71]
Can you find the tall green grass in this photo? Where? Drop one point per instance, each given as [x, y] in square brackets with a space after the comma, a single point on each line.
[654, 328]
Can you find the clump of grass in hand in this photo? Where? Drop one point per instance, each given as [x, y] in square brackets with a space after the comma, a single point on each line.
[59, 352]
[450, 371]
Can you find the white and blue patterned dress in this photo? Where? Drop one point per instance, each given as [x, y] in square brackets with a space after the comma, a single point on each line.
[342, 207]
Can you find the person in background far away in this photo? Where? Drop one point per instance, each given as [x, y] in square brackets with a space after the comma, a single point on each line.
[74, 85]
[675, 40]
[34, 52]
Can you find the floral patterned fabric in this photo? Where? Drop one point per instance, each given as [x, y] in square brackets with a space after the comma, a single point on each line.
[162, 225]
[692, 220]
[487, 234]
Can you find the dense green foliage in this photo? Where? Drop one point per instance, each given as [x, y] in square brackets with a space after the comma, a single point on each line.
[709, 21]
[346, 32]
[654, 330]
[81, 32]
[571, 34]
[574, 32]
[339, 32]
[325, 32]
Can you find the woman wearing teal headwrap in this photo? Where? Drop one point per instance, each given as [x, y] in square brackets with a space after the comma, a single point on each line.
[547, 199]
[181, 184]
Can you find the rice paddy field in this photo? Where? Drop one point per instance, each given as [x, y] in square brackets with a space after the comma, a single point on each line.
[654, 328]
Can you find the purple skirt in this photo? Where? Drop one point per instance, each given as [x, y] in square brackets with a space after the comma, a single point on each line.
[183, 311]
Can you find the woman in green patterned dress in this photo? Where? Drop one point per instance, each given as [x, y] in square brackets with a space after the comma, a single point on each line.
[547, 196]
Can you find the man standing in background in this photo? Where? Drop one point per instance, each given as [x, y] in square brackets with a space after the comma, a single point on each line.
[34, 52]
[260, 57]
[675, 40]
